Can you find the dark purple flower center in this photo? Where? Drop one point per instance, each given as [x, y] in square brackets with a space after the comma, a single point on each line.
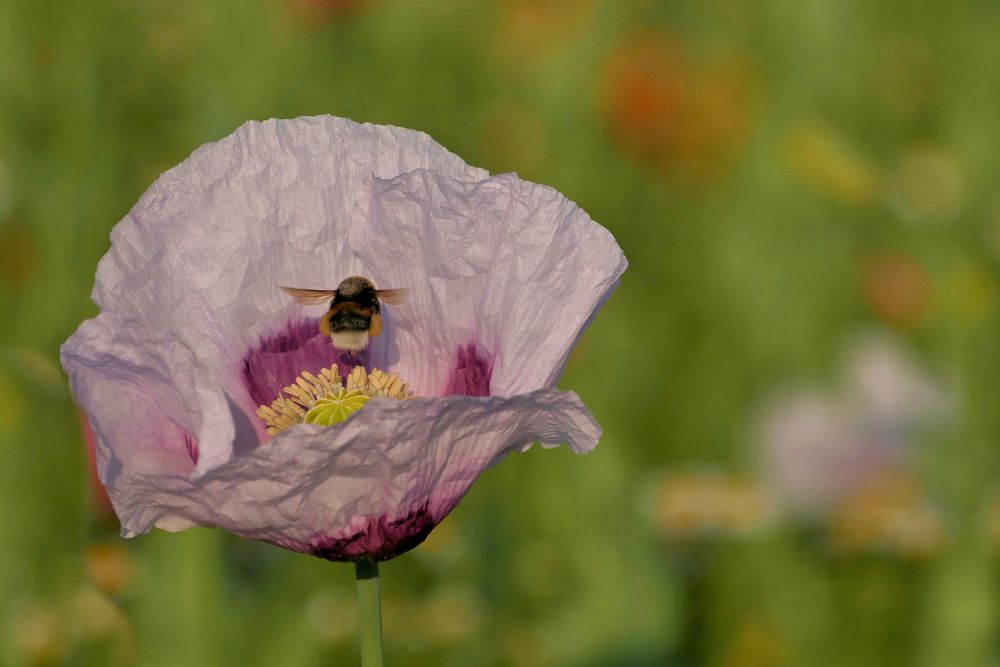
[279, 358]
[381, 539]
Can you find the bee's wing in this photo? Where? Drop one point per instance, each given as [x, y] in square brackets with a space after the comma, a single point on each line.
[391, 296]
[310, 297]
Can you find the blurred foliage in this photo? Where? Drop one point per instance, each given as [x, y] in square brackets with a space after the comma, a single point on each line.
[780, 175]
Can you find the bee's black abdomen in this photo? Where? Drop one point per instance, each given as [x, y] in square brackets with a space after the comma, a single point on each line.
[345, 321]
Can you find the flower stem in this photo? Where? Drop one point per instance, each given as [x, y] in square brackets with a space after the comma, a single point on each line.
[369, 612]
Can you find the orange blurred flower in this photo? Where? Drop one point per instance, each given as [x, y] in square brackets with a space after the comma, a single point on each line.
[110, 566]
[896, 288]
[673, 113]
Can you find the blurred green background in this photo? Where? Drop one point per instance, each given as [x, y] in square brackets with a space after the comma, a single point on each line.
[782, 175]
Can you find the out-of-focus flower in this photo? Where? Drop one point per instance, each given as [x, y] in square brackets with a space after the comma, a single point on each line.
[928, 185]
[833, 456]
[890, 515]
[37, 635]
[896, 288]
[93, 616]
[696, 504]
[110, 567]
[671, 113]
[194, 335]
[828, 163]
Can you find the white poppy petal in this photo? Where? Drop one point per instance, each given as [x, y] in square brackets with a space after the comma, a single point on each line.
[502, 274]
[376, 484]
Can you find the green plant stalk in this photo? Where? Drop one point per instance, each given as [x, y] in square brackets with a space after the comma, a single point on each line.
[369, 612]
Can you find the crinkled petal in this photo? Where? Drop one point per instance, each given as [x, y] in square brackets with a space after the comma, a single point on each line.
[143, 422]
[199, 258]
[502, 270]
[203, 251]
[375, 484]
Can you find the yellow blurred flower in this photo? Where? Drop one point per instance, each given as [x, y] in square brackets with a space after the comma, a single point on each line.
[891, 516]
[826, 161]
[37, 635]
[695, 504]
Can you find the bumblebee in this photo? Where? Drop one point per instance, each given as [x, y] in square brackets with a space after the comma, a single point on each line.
[354, 316]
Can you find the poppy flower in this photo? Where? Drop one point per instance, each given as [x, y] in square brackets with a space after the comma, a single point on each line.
[820, 448]
[195, 342]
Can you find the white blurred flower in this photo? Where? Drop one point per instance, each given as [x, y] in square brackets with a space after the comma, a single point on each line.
[819, 447]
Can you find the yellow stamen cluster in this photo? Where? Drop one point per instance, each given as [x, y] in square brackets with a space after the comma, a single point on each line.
[308, 391]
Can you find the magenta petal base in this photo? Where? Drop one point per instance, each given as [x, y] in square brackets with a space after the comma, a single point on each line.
[379, 539]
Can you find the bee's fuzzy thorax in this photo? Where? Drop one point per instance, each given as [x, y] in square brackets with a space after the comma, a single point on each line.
[354, 287]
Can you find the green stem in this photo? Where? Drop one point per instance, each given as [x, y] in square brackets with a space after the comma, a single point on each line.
[369, 612]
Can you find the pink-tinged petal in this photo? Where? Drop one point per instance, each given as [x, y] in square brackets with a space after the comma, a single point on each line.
[140, 423]
[508, 268]
[374, 485]
[203, 251]
[151, 404]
